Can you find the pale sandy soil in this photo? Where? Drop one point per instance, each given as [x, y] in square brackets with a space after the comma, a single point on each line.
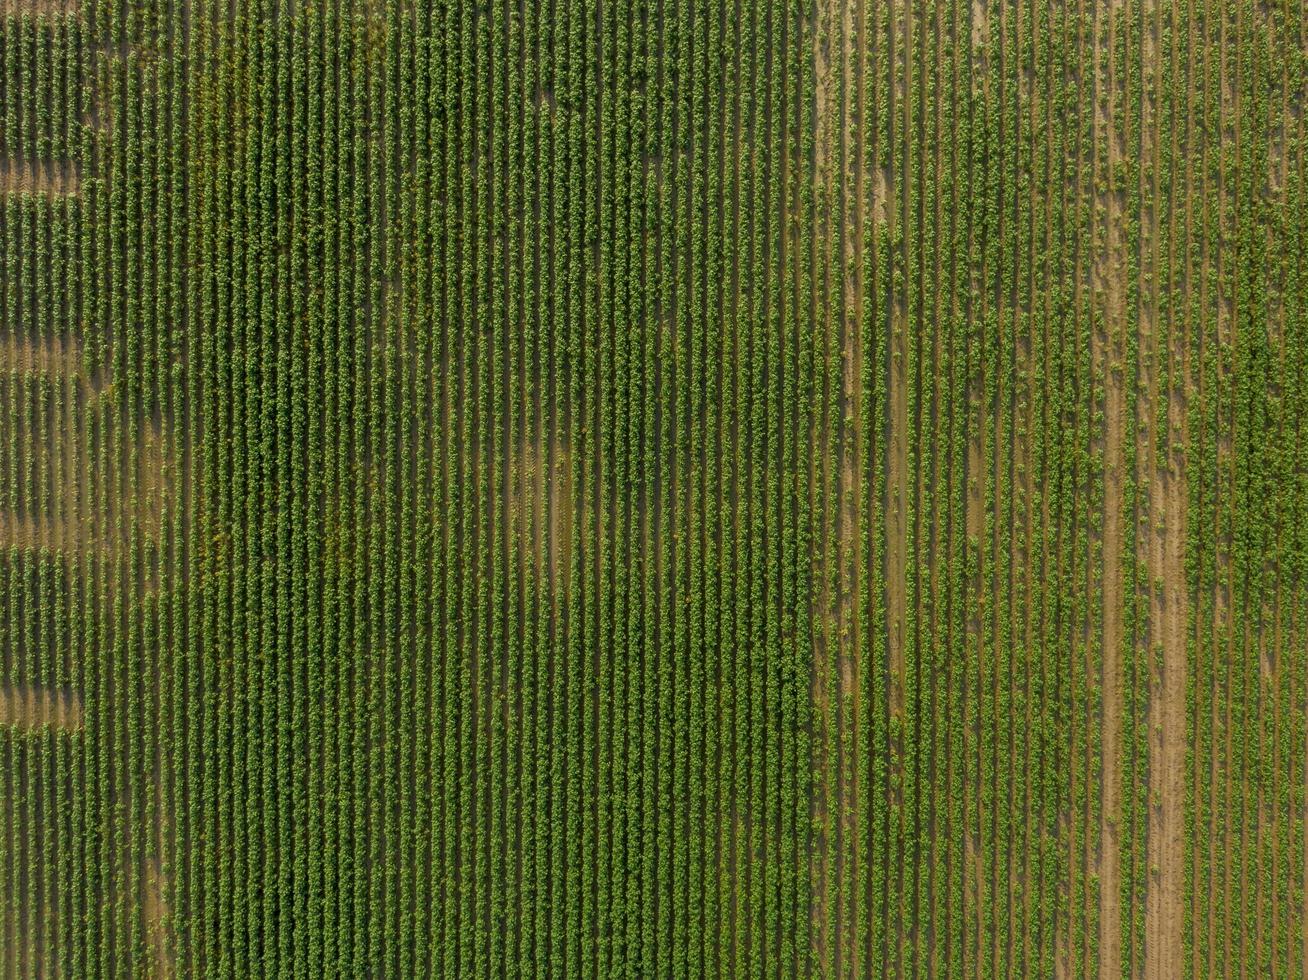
[38, 8]
[56, 177]
[1108, 277]
[155, 909]
[1163, 545]
[38, 706]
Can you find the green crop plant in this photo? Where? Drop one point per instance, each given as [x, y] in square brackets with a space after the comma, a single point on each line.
[646, 489]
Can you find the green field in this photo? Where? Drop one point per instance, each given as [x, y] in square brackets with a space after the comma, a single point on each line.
[653, 488]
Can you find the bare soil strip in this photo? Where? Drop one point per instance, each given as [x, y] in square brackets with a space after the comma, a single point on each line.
[60, 530]
[155, 909]
[38, 8]
[559, 503]
[43, 355]
[59, 433]
[839, 54]
[68, 477]
[522, 474]
[37, 706]
[1165, 902]
[1112, 693]
[54, 177]
[151, 479]
[1109, 269]
[537, 493]
[1163, 549]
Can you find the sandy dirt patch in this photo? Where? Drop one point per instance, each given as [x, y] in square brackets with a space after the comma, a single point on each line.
[1108, 276]
[39, 8]
[55, 177]
[32, 706]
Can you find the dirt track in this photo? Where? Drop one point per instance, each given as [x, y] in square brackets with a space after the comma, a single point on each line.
[1163, 552]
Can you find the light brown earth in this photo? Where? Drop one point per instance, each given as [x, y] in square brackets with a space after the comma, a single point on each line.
[1164, 551]
[43, 355]
[152, 478]
[58, 358]
[539, 503]
[560, 506]
[521, 486]
[155, 910]
[54, 177]
[36, 706]
[1107, 276]
[842, 178]
[62, 527]
[1164, 555]
[38, 8]
[1166, 843]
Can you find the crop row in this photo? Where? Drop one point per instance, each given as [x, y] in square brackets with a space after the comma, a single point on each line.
[652, 489]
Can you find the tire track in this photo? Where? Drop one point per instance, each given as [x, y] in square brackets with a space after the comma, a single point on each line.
[1163, 548]
[1165, 557]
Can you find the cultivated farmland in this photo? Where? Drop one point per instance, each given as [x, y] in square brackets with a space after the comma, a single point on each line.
[601, 488]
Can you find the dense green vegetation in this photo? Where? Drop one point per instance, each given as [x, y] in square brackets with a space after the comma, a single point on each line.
[653, 489]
